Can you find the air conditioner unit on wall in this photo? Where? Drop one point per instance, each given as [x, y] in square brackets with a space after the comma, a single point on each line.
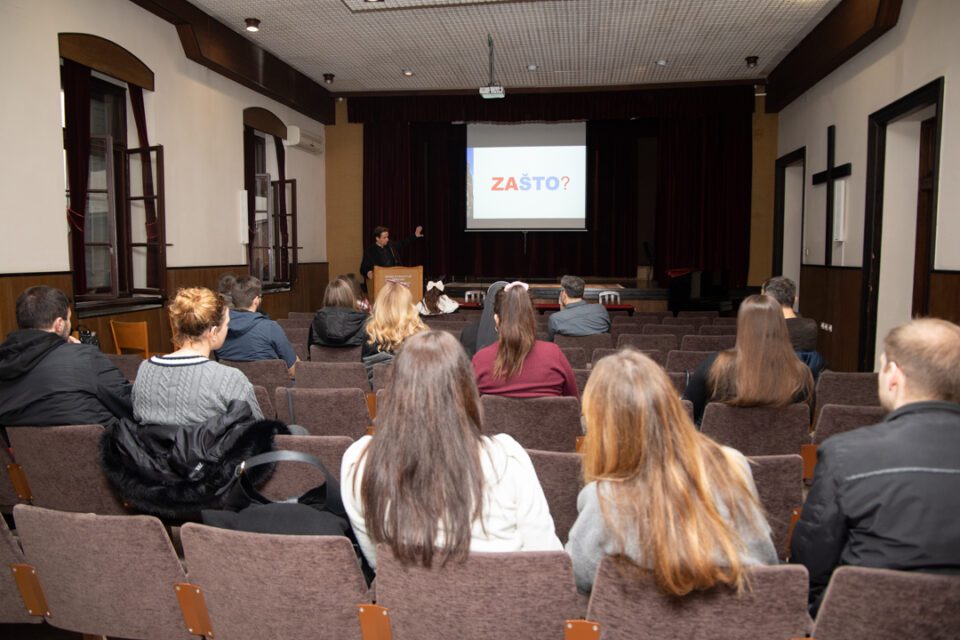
[309, 141]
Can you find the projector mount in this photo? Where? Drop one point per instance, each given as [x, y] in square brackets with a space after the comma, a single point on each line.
[492, 89]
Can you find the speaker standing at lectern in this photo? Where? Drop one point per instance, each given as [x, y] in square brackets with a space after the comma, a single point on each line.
[383, 252]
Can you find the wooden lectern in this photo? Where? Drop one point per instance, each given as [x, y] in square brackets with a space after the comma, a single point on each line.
[411, 277]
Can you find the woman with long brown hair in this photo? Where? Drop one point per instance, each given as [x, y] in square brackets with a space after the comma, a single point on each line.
[341, 322]
[429, 485]
[518, 365]
[658, 493]
[762, 370]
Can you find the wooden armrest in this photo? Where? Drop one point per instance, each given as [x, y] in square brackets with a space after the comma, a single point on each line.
[579, 444]
[30, 590]
[194, 609]
[19, 481]
[809, 454]
[374, 622]
[581, 630]
[372, 405]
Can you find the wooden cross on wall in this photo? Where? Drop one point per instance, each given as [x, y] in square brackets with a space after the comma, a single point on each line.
[829, 176]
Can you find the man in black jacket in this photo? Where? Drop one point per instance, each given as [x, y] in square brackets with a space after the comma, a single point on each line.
[47, 378]
[887, 496]
[383, 252]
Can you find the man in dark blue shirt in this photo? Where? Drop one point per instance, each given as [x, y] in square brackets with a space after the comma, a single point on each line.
[252, 335]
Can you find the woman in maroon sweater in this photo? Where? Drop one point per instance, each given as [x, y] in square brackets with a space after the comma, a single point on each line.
[518, 365]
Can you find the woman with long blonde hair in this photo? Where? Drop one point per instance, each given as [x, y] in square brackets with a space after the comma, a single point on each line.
[658, 493]
[762, 370]
[394, 319]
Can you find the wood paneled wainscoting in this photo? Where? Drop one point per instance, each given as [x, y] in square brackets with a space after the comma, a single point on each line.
[945, 295]
[831, 295]
[305, 295]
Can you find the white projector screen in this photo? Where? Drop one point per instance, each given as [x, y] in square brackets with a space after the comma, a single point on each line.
[526, 176]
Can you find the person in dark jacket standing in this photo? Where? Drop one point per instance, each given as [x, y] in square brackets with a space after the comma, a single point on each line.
[339, 323]
[888, 495]
[47, 378]
[383, 253]
[252, 335]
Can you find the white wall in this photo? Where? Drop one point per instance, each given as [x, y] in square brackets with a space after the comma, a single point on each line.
[196, 114]
[923, 46]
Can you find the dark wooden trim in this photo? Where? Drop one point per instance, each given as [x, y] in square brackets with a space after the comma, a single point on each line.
[106, 57]
[212, 44]
[779, 203]
[29, 274]
[846, 31]
[945, 272]
[929, 94]
[535, 90]
[264, 120]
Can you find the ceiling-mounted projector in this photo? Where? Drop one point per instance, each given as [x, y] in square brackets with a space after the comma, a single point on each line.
[493, 91]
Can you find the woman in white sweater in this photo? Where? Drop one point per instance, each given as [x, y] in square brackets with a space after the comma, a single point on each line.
[429, 485]
[659, 494]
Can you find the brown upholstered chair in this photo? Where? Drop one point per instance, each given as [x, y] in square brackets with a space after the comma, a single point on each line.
[679, 380]
[127, 363]
[268, 374]
[325, 412]
[332, 375]
[382, 375]
[758, 431]
[13, 609]
[779, 481]
[637, 318]
[882, 604]
[647, 342]
[688, 407]
[628, 607]
[718, 329]
[618, 330]
[695, 322]
[707, 343]
[62, 465]
[329, 449]
[588, 343]
[8, 495]
[582, 375]
[560, 476]
[298, 340]
[261, 585]
[838, 418]
[301, 315]
[320, 353]
[719, 322]
[522, 594]
[837, 387]
[294, 323]
[686, 360]
[678, 330]
[105, 575]
[576, 356]
[548, 423]
[265, 402]
[703, 313]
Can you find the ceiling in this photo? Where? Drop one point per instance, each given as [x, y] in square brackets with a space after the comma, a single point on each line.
[574, 43]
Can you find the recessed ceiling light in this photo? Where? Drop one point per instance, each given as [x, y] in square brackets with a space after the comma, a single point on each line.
[253, 25]
[328, 78]
[532, 67]
[662, 62]
[408, 73]
[373, 1]
[751, 61]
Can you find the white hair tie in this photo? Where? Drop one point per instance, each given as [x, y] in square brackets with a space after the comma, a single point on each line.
[435, 285]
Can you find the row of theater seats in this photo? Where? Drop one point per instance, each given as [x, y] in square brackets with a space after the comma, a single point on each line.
[121, 576]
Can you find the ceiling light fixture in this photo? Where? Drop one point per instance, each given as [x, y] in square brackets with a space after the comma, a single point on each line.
[532, 67]
[752, 62]
[662, 62]
[253, 25]
[328, 78]
[407, 73]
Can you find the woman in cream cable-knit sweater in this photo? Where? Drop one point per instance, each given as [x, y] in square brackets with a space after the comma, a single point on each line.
[186, 387]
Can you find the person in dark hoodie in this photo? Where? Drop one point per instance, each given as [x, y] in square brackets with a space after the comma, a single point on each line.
[47, 378]
[252, 335]
[340, 323]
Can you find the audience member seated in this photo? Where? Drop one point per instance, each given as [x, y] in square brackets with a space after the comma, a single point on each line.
[186, 387]
[477, 335]
[429, 485]
[340, 323]
[435, 302]
[48, 378]
[518, 365]
[394, 320]
[887, 496]
[225, 285]
[762, 370]
[659, 494]
[577, 317]
[363, 304]
[252, 335]
[803, 331]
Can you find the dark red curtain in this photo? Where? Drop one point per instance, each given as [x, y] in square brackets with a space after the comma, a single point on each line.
[149, 203]
[75, 79]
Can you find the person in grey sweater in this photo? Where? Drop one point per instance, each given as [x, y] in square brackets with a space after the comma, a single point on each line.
[186, 387]
[658, 492]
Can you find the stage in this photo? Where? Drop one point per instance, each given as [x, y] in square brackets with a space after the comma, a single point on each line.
[547, 292]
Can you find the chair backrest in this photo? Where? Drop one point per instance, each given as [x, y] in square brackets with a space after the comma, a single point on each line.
[548, 423]
[329, 449]
[775, 606]
[294, 323]
[882, 604]
[587, 343]
[127, 363]
[688, 407]
[8, 495]
[62, 465]
[696, 323]
[298, 340]
[646, 342]
[609, 297]
[475, 295]
[708, 343]
[12, 608]
[839, 387]
[718, 329]
[301, 315]
[269, 374]
[678, 330]
[838, 418]
[581, 376]
[779, 481]
[522, 594]
[325, 412]
[598, 354]
[560, 476]
[453, 328]
[679, 380]
[758, 431]
[265, 402]
[704, 313]
[332, 375]
[618, 330]
[104, 575]
[686, 360]
[719, 322]
[132, 336]
[382, 375]
[319, 353]
[576, 356]
[635, 319]
[282, 587]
